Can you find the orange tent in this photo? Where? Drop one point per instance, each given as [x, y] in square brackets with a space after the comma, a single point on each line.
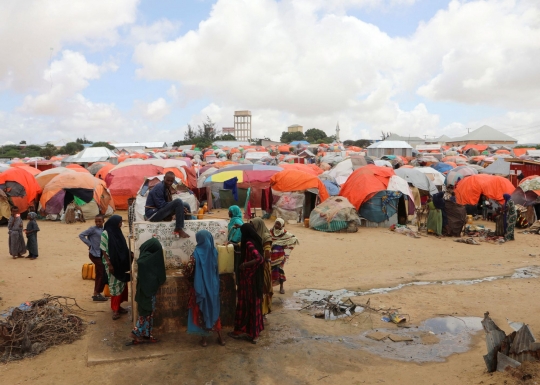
[502, 152]
[307, 168]
[77, 167]
[451, 164]
[477, 147]
[522, 151]
[366, 182]
[294, 180]
[285, 148]
[47, 175]
[407, 166]
[21, 186]
[103, 171]
[76, 183]
[32, 170]
[469, 189]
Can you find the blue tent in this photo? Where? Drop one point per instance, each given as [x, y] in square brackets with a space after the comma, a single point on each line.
[381, 206]
[442, 167]
[297, 142]
[332, 188]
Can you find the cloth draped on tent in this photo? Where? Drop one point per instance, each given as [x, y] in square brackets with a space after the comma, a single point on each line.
[364, 182]
[294, 180]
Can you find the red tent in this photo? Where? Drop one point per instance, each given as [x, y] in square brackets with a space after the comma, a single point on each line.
[294, 180]
[21, 186]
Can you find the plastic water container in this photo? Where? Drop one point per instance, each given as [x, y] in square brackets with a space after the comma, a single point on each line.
[469, 219]
[306, 222]
[225, 259]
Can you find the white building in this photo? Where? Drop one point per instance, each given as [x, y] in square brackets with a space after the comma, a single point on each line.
[390, 147]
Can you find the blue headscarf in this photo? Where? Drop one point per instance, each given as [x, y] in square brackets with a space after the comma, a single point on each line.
[206, 280]
[235, 235]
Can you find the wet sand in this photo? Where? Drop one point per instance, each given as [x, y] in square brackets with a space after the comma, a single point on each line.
[296, 348]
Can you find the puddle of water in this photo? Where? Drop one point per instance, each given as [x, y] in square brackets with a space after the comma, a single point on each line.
[312, 295]
[453, 325]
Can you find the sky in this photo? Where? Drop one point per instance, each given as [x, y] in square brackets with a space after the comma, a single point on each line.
[142, 70]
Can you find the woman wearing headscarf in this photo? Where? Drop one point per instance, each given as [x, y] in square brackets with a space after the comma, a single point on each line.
[438, 202]
[150, 276]
[117, 260]
[32, 229]
[510, 217]
[266, 237]
[434, 220]
[234, 234]
[204, 304]
[248, 319]
[283, 243]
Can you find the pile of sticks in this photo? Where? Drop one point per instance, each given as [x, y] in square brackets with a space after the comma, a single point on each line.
[30, 329]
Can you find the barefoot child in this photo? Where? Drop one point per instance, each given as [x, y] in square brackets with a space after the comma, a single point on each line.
[31, 231]
[92, 238]
[15, 230]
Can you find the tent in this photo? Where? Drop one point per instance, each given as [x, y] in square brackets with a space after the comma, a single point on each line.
[365, 182]
[435, 176]
[20, 186]
[77, 168]
[294, 180]
[126, 179]
[469, 190]
[458, 173]
[417, 178]
[308, 168]
[442, 167]
[528, 191]
[47, 175]
[103, 171]
[148, 184]
[91, 155]
[499, 167]
[32, 170]
[88, 192]
[384, 205]
[334, 214]
[5, 207]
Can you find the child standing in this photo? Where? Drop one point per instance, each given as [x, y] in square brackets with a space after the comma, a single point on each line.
[16, 239]
[31, 234]
[92, 239]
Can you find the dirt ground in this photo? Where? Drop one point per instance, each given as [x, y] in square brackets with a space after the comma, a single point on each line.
[296, 348]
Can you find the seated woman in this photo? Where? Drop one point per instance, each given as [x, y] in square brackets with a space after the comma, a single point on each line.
[204, 304]
[150, 276]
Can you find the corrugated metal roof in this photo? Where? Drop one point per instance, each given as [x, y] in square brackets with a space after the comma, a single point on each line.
[390, 144]
[91, 155]
[485, 134]
[141, 144]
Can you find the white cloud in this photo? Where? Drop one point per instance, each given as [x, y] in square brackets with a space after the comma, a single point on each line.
[155, 110]
[29, 30]
[155, 32]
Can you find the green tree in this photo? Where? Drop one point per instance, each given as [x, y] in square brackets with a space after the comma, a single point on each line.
[225, 137]
[31, 151]
[71, 148]
[202, 137]
[22, 142]
[48, 151]
[103, 144]
[12, 153]
[83, 140]
[363, 143]
[314, 134]
[288, 137]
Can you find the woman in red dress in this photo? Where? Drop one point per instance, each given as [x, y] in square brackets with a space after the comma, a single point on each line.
[248, 320]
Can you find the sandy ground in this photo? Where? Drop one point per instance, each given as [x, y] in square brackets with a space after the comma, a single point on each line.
[296, 348]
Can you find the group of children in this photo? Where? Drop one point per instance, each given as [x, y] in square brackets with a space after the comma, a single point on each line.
[17, 246]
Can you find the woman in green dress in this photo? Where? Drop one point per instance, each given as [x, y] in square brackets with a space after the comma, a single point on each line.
[435, 219]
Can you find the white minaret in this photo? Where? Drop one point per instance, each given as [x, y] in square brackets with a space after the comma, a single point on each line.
[337, 133]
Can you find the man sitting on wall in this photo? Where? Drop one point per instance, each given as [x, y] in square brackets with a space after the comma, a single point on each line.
[160, 205]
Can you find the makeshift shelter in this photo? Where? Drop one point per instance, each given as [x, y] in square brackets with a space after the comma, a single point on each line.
[383, 207]
[442, 167]
[104, 170]
[21, 187]
[365, 182]
[458, 173]
[91, 155]
[499, 167]
[435, 176]
[308, 168]
[47, 175]
[528, 191]
[417, 178]
[334, 214]
[469, 190]
[88, 192]
[5, 208]
[32, 170]
[77, 168]
[146, 187]
[295, 194]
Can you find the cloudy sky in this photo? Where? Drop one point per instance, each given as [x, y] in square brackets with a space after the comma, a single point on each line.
[135, 70]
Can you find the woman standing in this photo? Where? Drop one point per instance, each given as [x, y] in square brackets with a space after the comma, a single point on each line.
[283, 243]
[15, 230]
[434, 221]
[268, 290]
[248, 319]
[150, 276]
[204, 304]
[32, 229]
[235, 235]
[117, 260]
[510, 217]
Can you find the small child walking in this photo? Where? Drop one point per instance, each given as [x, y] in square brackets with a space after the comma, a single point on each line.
[32, 229]
[15, 230]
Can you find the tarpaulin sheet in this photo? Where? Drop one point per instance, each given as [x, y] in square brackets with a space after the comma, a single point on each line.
[469, 189]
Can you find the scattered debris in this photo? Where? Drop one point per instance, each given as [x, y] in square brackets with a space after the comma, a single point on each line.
[377, 336]
[508, 351]
[331, 308]
[398, 338]
[468, 241]
[32, 327]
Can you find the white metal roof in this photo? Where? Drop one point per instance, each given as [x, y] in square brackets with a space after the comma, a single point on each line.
[90, 155]
[428, 147]
[141, 144]
[390, 144]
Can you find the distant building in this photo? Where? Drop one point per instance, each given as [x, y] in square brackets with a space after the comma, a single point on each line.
[295, 128]
[412, 140]
[228, 131]
[390, 147]
[483, 135]
[242, 125]
[142, 146]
